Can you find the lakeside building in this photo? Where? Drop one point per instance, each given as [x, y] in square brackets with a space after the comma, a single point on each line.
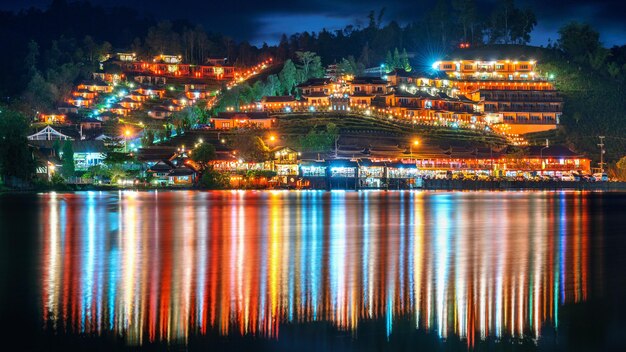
[354, 167]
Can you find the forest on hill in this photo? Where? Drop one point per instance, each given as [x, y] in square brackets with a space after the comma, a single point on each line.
[48, 51]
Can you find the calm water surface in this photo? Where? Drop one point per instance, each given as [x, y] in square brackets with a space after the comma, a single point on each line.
[314, 270]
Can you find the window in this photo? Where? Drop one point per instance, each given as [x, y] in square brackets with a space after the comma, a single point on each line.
[499, 67]
[509, 118]
[357, 89]
[523, 67]
[535, 118]
[225, 124]
[467, 67]
[447, 66]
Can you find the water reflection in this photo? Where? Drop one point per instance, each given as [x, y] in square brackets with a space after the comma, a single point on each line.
[164, 266]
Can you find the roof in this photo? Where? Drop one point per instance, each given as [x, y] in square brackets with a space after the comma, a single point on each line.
[556, 151]
[311, 82]
[94, 82]
[361, 94]
[279, 99]
[181, 171]
[497, 52]
[49, 130]
[155, 153]
[368, 80]
[90, 120]
[64, 105]
[281, 147]
[92, 146]
[316, 95]
[161, 166]
[342, 163]
[160, 108]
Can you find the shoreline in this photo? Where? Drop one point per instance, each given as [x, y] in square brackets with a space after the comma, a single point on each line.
[427, 185]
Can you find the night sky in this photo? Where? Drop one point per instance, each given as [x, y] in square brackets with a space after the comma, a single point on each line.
[260, 20]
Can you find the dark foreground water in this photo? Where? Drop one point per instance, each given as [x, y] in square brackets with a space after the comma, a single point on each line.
[300, 271]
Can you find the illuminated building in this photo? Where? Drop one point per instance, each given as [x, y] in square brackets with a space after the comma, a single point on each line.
[51, 117]
[172, 66]
[159, 112]
[96, 86]
[230, 120]
[278, 103]
[510, 91]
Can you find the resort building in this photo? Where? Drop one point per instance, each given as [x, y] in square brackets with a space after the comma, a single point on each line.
[51, 117]
[229, 120]
[172, 66]
[508, 91]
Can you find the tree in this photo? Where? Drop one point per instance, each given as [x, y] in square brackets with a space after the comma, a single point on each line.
[620, 169]
[15, 157]
[212, 179]
[249, 145]
[272, 85]
[579, 41]
[310, 64]
[147, 139]
[68, 160]
[510, 24]
[466, 14]
[350, 66]
[203, 153]
[404, 61]
[523, 23]
[288, 77]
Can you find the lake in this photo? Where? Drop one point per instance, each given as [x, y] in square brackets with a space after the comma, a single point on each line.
[313, 270]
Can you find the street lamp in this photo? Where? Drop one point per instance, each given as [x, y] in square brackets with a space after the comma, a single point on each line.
[127, 133]
[414, 143]
[541, 155]
[272, 139]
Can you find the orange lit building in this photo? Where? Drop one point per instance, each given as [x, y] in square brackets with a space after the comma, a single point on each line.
[171, 65]
[507, 91]
[278, 103]
[229, 120]
[51, 118]
[96, 86]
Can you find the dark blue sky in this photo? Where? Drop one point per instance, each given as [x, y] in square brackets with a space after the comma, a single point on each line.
[266, 20]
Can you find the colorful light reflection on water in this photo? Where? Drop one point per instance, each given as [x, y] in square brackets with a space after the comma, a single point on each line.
[161, 266]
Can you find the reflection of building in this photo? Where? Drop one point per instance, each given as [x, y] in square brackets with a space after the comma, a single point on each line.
[336, 258]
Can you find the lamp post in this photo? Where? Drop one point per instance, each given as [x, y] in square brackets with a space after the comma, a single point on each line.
[414, 143]
[272, 139]
[541, 155]
[601, 145]
[127, 134]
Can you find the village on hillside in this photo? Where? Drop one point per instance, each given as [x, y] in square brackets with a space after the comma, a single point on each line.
[157, 118]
